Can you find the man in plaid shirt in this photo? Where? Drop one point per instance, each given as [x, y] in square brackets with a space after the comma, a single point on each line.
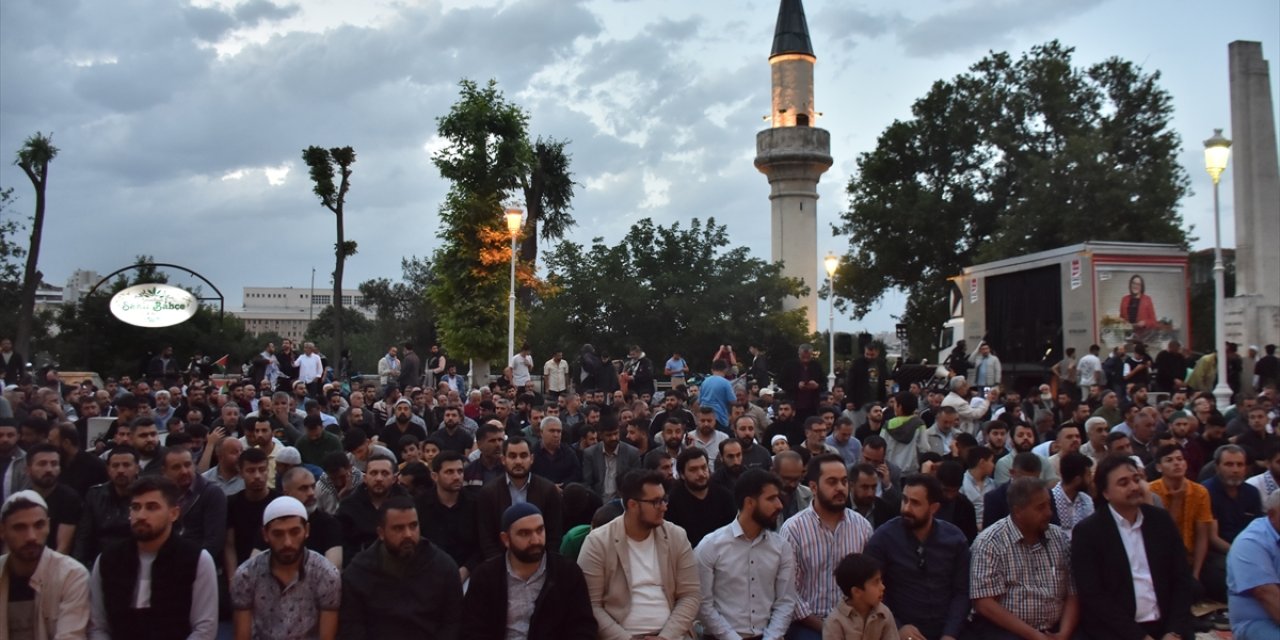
[1020, 572]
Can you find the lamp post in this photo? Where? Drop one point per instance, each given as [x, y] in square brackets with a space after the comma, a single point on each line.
[515, 219]
[1217, 150]
[830, 263]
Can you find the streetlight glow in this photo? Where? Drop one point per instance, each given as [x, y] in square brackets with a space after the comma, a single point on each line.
[1217, 150]
[831, 262]
[515, 220]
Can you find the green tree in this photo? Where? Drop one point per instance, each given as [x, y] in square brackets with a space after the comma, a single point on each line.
[11, 260]
[33, 158]
[322, 163]
[487, 160]
[401, 310]
[548, 192]
[666, 289]
[1013, 157]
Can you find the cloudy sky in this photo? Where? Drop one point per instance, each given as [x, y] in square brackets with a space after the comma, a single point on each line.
[180, 123]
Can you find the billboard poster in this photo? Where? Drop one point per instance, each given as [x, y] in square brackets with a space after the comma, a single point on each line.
[1141, 303]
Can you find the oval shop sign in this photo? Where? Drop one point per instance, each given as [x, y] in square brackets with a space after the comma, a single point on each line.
[153, 305]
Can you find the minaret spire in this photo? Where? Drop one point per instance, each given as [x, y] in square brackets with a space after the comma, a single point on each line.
[791, 35]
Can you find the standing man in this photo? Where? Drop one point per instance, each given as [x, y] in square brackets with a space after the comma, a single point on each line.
[1013, 594]
[639, 372]
[759, 371]
[555, 376]
[160, 585]
[865, 382]
[1132, 582]
[925, 564]
[401, 587]
[986, 367]
[389, 367]
[410, 368]
[1089, 371]
[1171, 368]
[515, 486]
[544, 595]
[803, 382]
[717, 392]
[522, 368]
[677, 369]
[290, 591]
[696, 504]
[747, 570]
[821, 536]
[44, 595]
[311, 370]
[971, 414]
[642, 577]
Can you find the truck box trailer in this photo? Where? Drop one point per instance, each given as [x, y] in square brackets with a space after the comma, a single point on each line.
[1031, 308]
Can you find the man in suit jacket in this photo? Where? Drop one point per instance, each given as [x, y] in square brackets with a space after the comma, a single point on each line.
[518, 484]
[596, 458]
[1130, 571]
[662, 574]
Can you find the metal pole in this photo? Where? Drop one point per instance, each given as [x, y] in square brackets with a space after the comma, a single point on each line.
[831, 333]
[511, 305]
[311, 302]
[1222, 392]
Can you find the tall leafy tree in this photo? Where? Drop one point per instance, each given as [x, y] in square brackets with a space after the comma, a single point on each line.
[665, 289]
[323, 163]
[548, 194]
[33, 158]
[487, 160]
[1012, 157]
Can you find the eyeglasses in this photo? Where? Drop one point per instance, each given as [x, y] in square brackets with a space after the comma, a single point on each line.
[656, 503]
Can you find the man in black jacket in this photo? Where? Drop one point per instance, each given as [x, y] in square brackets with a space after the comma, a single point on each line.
[401, 587]
[551, 601]
[865, 382]
[496, 496]
[1132, 581]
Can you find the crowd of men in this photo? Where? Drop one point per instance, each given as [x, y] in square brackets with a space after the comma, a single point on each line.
[280, 506]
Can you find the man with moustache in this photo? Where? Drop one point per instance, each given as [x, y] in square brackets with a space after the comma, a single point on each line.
[401, 587]
[866, 503]
[729, 468]
[358, 512]
[290, 591]
[1024, 440]
[1132, 582]
[696, 504]
[517, 485]
[105, 520]
[44, 595]
[924, 563]
[747, 569]
[754, 456]
[543, 595]
[203, 515]
[159, 585]
[324, 532]
[821, 536]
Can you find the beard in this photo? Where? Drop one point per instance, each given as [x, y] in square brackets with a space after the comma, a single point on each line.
[142, 532]
[405, 549]
[530, 554]
[835, 503]
[286, 557]
[1021, 448]
[401, 418]
[769, 524]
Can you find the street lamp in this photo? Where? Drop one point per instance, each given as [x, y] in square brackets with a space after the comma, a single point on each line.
[515, 220]
[1217, 150]
[830, 263]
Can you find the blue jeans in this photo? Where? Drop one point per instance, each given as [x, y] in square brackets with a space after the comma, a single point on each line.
[801, 632]
[1255, 630]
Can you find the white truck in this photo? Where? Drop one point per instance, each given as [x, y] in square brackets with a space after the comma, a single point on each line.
[1031, 308]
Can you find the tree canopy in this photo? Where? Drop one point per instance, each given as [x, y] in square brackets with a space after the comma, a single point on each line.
[1013, 157]
[665, 289]
[323, 163]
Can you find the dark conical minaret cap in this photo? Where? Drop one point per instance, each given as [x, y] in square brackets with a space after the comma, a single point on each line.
[792, 33]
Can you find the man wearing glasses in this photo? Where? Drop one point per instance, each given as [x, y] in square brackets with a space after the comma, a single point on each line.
[925, 563]
[642, 577]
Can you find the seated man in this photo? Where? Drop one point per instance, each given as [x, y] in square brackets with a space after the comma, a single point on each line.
[1133, 582]
[1020, 573]
[1253, 576]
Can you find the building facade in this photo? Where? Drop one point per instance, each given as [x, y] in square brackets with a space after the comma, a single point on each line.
[288, 310]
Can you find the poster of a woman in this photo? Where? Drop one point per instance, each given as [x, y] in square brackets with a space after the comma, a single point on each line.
[1136, 308]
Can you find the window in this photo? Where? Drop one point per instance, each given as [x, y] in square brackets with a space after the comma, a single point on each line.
[321, 299]
[802, 120]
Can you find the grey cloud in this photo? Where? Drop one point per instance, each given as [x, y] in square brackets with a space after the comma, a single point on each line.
[255, 12]
[984, 26]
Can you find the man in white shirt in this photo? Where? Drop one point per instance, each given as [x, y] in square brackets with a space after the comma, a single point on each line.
[747, 570]
[555, 376]
[1089, 371]
[522, 368]
[310, 369]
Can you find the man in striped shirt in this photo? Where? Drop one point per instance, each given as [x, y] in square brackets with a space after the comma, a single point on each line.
[821, 536]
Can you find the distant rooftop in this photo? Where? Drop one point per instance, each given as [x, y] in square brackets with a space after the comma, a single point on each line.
[792, 32]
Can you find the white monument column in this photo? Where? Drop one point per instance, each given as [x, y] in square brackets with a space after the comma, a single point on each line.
[1253, 315]
[794, 154]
